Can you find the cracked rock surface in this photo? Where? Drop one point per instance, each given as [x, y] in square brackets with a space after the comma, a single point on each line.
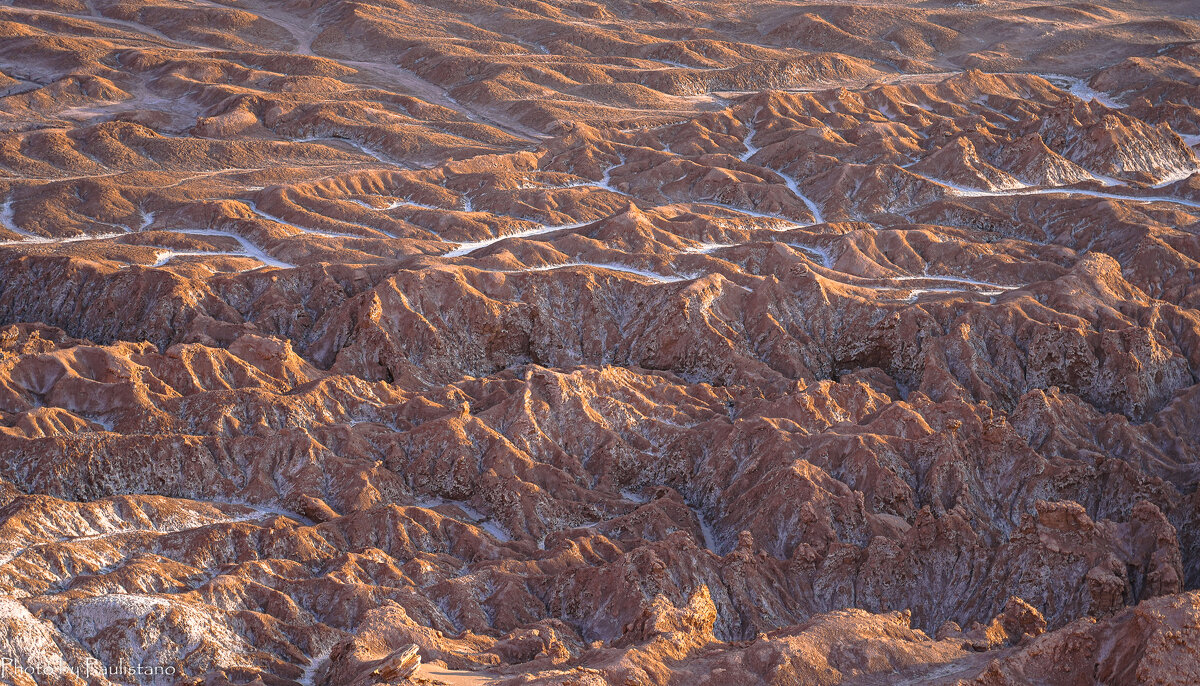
[586, 343]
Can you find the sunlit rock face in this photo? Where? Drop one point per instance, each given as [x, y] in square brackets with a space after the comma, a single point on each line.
[589, 343]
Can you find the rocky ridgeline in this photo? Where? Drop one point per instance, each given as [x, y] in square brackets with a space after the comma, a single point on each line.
[599, 343]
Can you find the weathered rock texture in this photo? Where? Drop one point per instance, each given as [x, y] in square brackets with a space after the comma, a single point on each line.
[585, 343]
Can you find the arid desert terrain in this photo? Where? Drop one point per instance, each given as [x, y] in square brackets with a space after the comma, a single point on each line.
[588, 343]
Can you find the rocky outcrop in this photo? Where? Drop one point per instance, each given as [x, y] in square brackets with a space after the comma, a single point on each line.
[599, 343]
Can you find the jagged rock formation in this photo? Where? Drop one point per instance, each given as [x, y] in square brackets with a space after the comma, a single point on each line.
[599, 342]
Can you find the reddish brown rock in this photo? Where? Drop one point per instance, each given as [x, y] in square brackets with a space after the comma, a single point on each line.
[600, 342]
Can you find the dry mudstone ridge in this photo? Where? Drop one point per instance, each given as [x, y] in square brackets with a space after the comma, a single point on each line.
[571, 343]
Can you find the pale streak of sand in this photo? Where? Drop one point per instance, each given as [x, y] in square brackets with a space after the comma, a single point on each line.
[453, 677]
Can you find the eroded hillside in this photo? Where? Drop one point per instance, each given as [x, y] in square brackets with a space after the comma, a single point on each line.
[589, 343]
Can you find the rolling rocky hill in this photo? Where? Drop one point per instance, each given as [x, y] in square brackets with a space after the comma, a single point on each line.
[581, 343]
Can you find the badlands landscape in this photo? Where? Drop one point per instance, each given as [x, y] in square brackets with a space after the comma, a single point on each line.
[574, 343]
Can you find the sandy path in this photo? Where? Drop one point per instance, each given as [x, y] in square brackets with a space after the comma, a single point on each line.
[439, 674]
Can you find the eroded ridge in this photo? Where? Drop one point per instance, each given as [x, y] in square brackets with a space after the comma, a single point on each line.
[600, 343]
